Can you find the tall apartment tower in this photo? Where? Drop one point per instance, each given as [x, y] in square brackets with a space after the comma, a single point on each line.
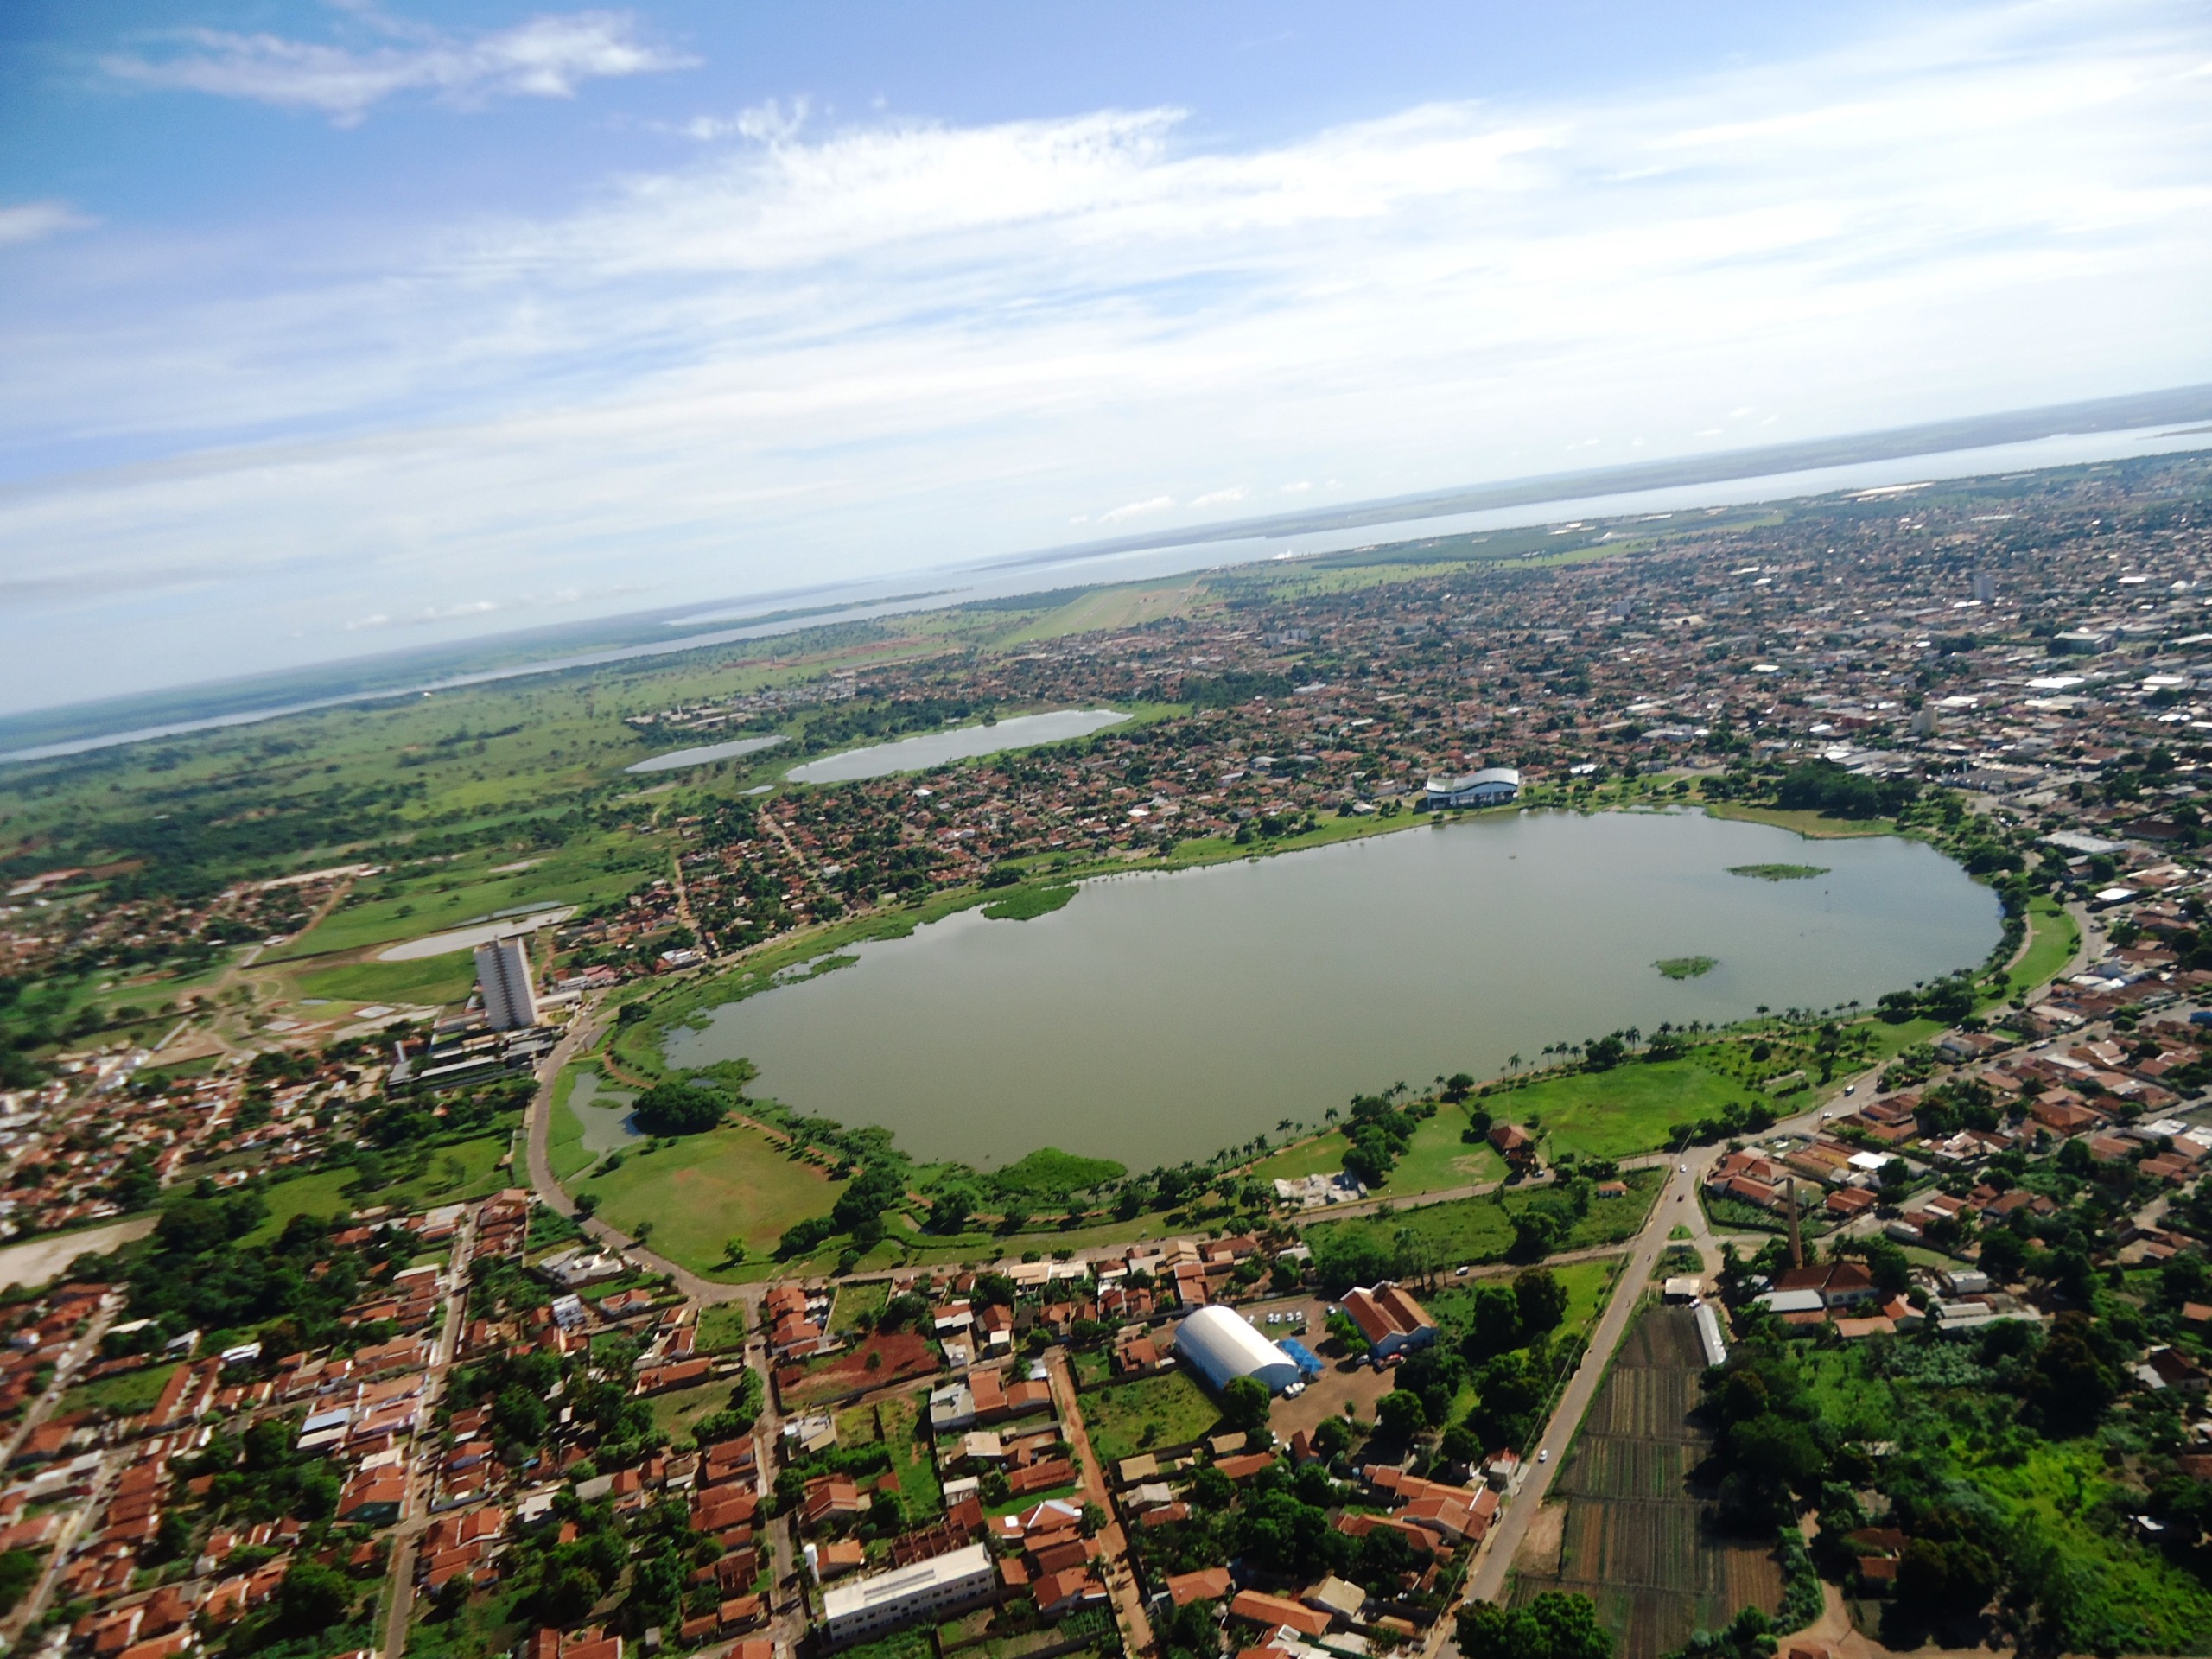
[1985, 587]
[503, 976]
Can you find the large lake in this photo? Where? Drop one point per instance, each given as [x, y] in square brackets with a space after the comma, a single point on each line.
[1158, 1017]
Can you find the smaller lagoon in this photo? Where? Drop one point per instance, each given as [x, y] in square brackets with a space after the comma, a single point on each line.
[677, 759]
[963, 743]
[604, 1113]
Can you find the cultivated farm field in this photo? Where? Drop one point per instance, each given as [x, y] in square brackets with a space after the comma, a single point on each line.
[1634, 1537]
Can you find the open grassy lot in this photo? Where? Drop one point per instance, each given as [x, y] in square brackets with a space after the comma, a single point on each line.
[1587, 1284]
[1437, 1160]
[675, 1412]
[443, 1174]
[132, 1391]
[858, 1302]
[1811, 825]
[722, 1328]
[1128, 1418]
[1476, 1230]
[2052, 940]
[1626, 1109]
[700, 1190]
[382, 909]
[427, 981]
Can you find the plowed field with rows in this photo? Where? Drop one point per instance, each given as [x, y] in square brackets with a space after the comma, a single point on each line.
[1634, 1535]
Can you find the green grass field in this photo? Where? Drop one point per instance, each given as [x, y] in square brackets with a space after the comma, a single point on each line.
[2052, 940]
[701, 1190]
[463, 1170]
[1128, 1418]
[857, 1302]
[722, 1328]
[1811, 825]
[1437, 1160]
[429, 981]
[1627, 1110]
[133, 1391]
[1481, 1230]
[382, 909]
[675, 1412]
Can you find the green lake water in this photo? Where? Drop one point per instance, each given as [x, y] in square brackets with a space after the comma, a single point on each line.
[1161, 1016]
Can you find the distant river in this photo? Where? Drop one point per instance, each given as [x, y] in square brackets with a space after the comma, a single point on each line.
[1158, 1017]
[961, 743]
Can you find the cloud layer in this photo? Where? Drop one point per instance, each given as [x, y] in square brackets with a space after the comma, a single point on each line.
[810, 354]
[547, 56]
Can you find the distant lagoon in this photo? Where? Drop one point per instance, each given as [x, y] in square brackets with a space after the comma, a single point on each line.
[677, 759]
[930, 749]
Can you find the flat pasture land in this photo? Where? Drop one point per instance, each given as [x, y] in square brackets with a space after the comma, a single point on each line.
[1624, 1110]
[447, 1174]
[1476, 1230]
[1813, 826]
[425, 982]
[700, 1190]
[1437, 1161]
[382, 912]
[1634, 1537]
[1127, 1418]
[1585, 1283]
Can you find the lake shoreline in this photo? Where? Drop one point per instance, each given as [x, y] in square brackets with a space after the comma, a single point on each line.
[679, 1012]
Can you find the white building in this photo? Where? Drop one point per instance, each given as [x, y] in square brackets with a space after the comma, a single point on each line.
[1491, 786]
[503, 976]
[1221, 1346]
[868, 1606]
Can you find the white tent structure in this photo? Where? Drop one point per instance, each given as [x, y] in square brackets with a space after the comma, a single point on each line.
[1220, 1345]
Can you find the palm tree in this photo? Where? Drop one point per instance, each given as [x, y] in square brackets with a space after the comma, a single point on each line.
[1283, 1127]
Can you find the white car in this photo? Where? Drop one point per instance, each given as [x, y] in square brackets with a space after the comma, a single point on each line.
[1459, 1273]
[1544, 1456]
[1293, 1391]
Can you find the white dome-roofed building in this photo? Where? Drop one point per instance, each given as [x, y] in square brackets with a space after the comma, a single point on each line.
[1221, 1346]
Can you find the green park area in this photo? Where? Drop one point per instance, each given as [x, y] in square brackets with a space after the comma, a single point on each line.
[1435, 1237]
[1619, 1111]
[426, 981]
[381, 910]
[433, 1174]
[1127, 1418]
[693, 1194]
[2052, 940]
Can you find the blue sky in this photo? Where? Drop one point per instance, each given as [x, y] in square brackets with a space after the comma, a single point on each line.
[337, 327]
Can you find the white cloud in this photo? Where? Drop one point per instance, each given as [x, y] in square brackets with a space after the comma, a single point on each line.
[763, 123]
[1221, 498]
[35, 221]
[547, 56]
[835, 352]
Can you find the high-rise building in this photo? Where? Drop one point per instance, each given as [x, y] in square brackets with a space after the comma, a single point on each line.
[1985, 587]
[503, 976]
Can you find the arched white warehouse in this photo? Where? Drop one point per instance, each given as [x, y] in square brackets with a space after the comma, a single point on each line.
[1220, 1344]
